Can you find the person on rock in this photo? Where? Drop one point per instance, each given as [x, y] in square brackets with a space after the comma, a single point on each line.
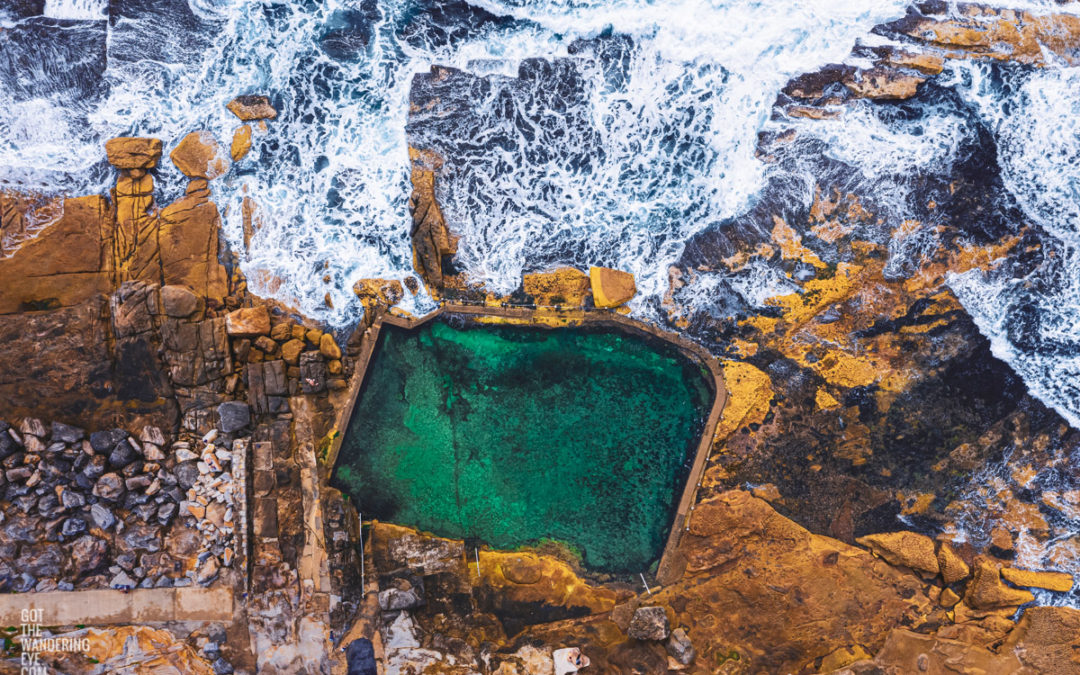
[569, 660]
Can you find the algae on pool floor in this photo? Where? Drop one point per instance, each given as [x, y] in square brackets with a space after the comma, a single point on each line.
[513, 435]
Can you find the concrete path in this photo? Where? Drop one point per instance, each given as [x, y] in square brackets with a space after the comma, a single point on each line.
[105, 607]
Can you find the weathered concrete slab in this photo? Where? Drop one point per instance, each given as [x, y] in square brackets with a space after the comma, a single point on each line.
[110, 607]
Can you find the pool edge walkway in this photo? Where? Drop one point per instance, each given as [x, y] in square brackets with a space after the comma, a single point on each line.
[103, 607]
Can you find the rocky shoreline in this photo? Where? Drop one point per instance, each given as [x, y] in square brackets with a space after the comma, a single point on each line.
[168, 428]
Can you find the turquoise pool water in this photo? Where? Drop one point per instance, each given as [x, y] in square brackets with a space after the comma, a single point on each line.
[512, 436]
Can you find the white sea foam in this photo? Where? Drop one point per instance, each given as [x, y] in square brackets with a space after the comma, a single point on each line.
[97, 10]
[709, 71]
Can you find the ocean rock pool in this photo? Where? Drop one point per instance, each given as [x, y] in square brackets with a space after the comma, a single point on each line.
[511, 436]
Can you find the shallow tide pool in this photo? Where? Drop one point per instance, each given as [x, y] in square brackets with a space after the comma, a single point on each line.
[513, 436]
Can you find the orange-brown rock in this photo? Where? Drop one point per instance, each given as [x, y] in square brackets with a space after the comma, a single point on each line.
[63, 265]
[517, 580]
[909, 652]
[754, 580]
[611, 288]
[198, 155]
[189, 246]
[430, 237]
[908, 549]
[952, 567]
[241, 142]
[252, 107]
[987, 591]
[1047, 639]
[328, 347]
[882, 83]
[1000, 34]
[133, 153]
[1061, 582]
[565, 286]
[374, 292]
[248, 322]
[290, 351]
[140, 650]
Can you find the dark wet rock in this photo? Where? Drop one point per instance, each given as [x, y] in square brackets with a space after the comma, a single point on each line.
[649, 623]
[142, 537]
[679, 647]
[122, 454]
[233, 416]
[19, 474]
[166, 512]
[8, 446]
[186, 473]
[403, 594]
[47, 504]
[312, 373]
[41, 560]
[109, 487]
[132, 469]
[146, 511]
[88, 553]
[73, 527]
[222, 667]
[122, 581]
[24, 583]
[102, 516]
[66, 433]
[105, 441]
[139, 482]
[71, 499]
[95, 467]
[208, 571]
[83, 482]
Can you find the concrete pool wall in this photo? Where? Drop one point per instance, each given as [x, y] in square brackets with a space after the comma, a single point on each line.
[547, 318]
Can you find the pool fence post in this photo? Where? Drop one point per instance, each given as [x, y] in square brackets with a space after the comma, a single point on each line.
[476, 553]
[646, 583]
[363, 587]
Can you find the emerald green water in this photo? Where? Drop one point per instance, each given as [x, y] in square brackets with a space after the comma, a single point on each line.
[516, 435]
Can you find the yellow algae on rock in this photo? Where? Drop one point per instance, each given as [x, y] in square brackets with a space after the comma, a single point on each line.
[565, 286]
[749, 392]
[824, 400]
[953, 568]
[986, 590]
[1061, 582]
[241, 142]
[791, 246]
[611, 288]
[909, 549]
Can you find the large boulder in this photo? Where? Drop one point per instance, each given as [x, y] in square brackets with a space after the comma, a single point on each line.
[1061, 582]
[252, 107]
[953, 568]
[133, 153]
[248, 322]
[65, 433]
[907, 549]
[987, 591]
[198, 155]
[611, 288]
[233, 416]
[565, 286]
[178, 301]
[649, 623]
